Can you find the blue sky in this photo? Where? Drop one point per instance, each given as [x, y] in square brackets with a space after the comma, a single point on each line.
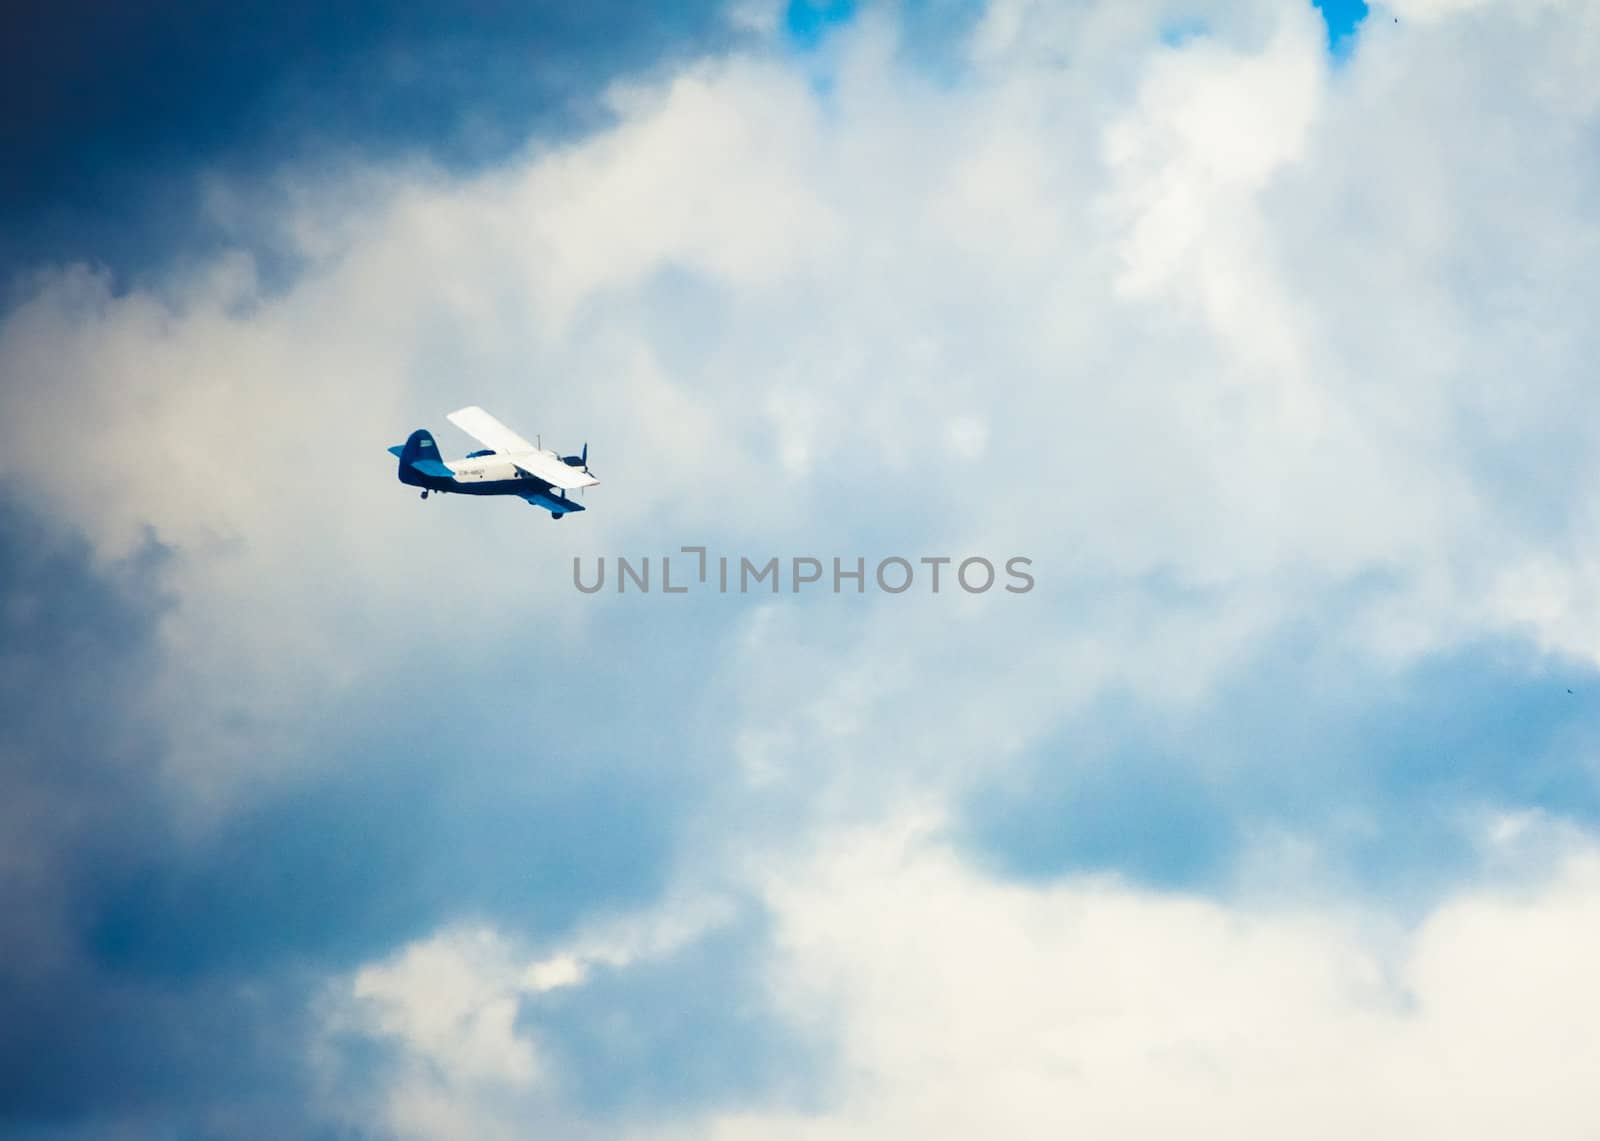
[1260, 329]
[1343, 18]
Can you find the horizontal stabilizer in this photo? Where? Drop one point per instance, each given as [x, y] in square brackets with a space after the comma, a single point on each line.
[397, 449]
[434, 468]
[554, 504]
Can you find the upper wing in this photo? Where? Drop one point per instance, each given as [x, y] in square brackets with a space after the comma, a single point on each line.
[484, 428]
[481, 426]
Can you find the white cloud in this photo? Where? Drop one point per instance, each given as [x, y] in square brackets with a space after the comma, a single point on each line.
[449, 1004]
[959, 1005]
[1430, 11]
[453, 1000]
[1089, 1007]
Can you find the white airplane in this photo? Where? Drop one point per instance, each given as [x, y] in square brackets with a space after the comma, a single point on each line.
[507, 465]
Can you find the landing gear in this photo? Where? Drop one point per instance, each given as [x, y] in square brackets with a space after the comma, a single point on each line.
[557, 514]
[424, 495]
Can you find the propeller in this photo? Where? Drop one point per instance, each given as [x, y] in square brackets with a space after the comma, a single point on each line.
[580, 461]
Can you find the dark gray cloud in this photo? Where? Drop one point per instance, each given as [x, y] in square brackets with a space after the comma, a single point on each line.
[150, 982]
[345, 867]
[684, 1031]
[1388, 772]
[79, 1043]
[105, 109]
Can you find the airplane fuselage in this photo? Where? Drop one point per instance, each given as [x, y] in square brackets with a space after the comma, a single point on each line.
[487, 476]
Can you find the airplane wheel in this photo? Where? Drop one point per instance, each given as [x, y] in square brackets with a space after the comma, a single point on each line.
[556, 514]
[424, 495]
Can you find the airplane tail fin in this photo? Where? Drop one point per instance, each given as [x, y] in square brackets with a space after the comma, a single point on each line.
[419, 447]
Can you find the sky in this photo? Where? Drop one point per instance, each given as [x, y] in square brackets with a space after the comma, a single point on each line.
[1260, 329]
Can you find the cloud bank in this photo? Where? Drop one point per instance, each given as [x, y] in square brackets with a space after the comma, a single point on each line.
[1270, 797]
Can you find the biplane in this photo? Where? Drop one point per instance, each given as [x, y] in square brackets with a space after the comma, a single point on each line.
[505, 465]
